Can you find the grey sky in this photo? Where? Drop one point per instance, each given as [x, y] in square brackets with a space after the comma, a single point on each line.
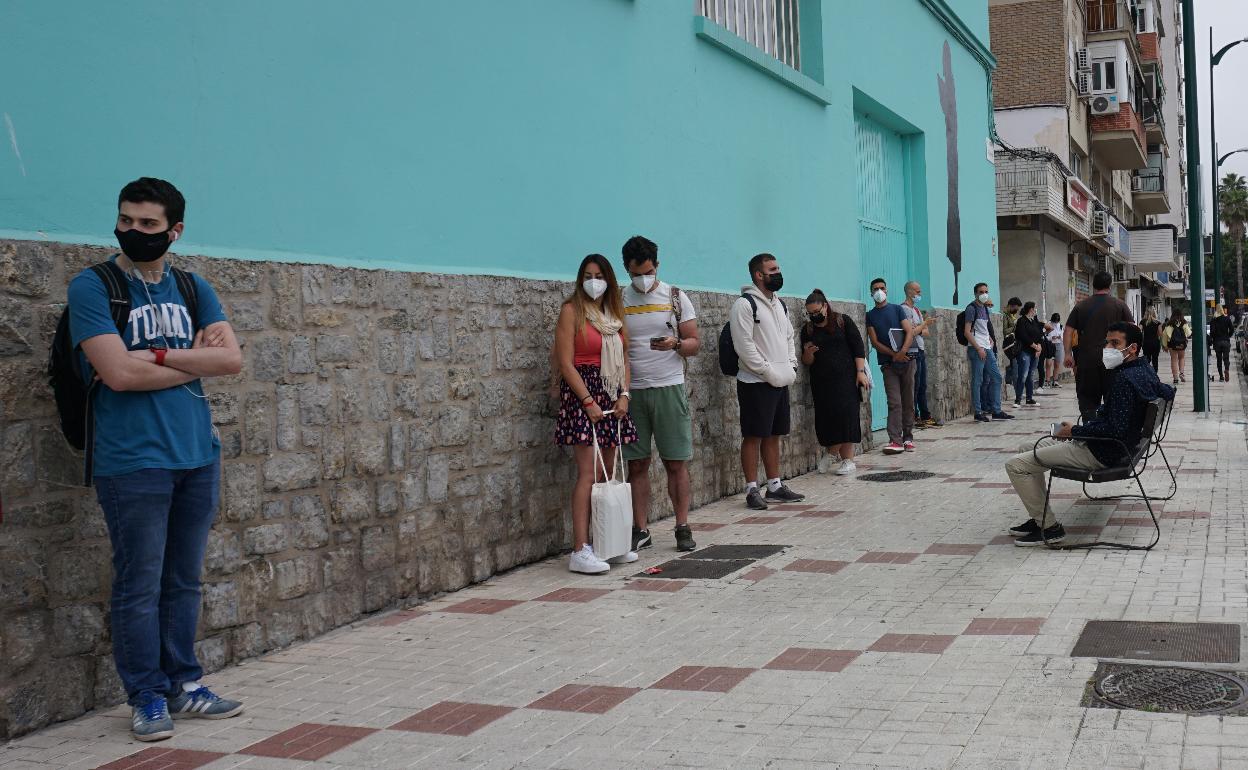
[1229, 19]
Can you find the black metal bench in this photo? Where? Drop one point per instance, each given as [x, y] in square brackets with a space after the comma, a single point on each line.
[1153, 432]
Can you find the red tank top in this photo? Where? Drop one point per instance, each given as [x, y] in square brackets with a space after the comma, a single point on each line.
[588, 348]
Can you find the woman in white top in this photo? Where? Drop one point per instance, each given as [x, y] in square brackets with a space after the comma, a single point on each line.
[1053, 366]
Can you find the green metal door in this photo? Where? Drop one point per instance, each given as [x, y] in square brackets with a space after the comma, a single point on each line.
[883, 239]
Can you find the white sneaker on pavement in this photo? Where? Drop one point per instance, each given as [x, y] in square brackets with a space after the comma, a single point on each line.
[584, 561]
[825, 463]
[847, 467]
[624, 558]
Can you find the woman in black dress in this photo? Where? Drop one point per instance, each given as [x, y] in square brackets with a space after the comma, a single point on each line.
[832, 348]
[1152, 336]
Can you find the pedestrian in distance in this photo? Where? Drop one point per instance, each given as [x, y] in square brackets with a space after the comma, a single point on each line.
[832, 348]
[662, 331]
[1174, 337]
[891, 335]
[981, 353]
[1152, 337]
[1029, 338]
[1057, 350]
[1009, 342]
[590, 345]
[1221, 330]
[153, 453]
[922, 330]
[762, 338]
[1089, 320]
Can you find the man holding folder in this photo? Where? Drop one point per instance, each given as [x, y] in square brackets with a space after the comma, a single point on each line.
[891, 335]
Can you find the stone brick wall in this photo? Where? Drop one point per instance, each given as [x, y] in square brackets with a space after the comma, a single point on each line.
[388, 439]
[1029, 41]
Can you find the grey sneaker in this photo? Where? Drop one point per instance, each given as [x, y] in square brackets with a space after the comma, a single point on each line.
[205, 704]
[684, 539]
[151, 721]
[784, 495]
[754, 499]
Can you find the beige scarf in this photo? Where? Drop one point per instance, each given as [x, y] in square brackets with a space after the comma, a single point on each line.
[612, 350]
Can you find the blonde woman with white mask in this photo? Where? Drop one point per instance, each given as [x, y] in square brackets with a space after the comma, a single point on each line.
[590, 345]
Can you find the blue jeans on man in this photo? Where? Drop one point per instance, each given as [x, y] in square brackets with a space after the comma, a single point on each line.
[158, 521]
[985, 381]
[920, 386]
[1024, 368]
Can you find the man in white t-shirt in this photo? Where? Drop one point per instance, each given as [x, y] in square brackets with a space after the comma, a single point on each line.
[662, 333]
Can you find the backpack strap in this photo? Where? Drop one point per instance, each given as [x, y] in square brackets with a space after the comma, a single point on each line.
[189, 290]
[753, 305]
[114, 281]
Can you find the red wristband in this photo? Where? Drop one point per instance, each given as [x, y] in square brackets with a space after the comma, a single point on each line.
[160, 356]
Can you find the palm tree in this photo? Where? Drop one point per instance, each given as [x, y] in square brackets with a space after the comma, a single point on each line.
[1233, 210]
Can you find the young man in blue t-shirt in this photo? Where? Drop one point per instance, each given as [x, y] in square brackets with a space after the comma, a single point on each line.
[156, 460]
[891, 334]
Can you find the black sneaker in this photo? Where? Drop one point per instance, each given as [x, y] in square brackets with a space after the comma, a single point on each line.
[982, 417]
[1002, 416]
[1017, 402]
[1026, 528]
[1054, 534]
[641, 539]
[1031, 402]
[684, 538]
[784, 495]
[754, 499]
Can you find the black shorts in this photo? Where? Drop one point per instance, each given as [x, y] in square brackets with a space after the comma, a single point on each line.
[764, 409]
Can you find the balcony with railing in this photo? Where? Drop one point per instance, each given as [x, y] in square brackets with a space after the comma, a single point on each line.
[1108, 16]
[1027, 186]
[1153, 118]
[1118, 138]
[1148, 189]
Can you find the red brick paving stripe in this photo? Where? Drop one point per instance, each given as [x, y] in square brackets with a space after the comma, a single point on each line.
[805, 659]
[394, 619]
[1139, 507]
[482, 606]
[1204, 440]
[761, 520]
[452, 718]
[1127, 521]
[758, 573]
[705, 526]
[581, 595]
[1084, 529]
[819, 514]
[584, 699]
[659, 586]
[928, 643]
[1004, 627]
[1003, 540]
[1054, 496]
[1089, 501]
[953, 549]
[792, 507]
[993, 485]
[1185, 515]
[703, 679]
[163, 759]
[308, 741]
[1196, 470]
[817, 565]
[955, 438]
[989, 449]
[959, 480]
[887, 557]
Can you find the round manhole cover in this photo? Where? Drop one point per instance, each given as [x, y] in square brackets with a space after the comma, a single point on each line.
[896, 476]
[1171, 689]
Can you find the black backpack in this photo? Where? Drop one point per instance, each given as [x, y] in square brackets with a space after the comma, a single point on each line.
[959, 329]
[729, 362]
[1178, 338]
[65, 376]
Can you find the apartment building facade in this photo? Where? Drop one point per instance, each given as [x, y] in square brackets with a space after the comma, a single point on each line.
[1089, 174]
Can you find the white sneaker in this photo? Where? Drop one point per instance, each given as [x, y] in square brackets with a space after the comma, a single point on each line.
[626, 558]
[586, 562]
[847, 467]
[825, 463]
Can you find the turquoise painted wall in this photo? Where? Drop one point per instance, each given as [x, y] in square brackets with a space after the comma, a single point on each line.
[477, 136]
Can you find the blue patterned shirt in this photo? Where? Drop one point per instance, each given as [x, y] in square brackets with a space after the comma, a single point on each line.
[1133, 385]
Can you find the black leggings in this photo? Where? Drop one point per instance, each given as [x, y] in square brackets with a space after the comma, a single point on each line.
[1151, 354]
[1223, 349]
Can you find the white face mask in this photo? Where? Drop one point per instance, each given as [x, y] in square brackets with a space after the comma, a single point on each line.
[917, 299]
[1112, 358]
[595, 287]
[983, 298]
[880, 296]
[643, 283]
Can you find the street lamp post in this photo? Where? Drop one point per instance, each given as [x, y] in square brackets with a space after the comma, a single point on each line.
[1195, 221]
[1214, 59]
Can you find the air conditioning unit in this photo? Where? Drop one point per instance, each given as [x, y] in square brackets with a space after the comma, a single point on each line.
[1120, 274]
[1105, 104]
[1178, 277]
[1083, 62]
[1083, 82]
[1100, 223]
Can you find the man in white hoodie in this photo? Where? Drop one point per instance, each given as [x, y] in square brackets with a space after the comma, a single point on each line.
[763, 339]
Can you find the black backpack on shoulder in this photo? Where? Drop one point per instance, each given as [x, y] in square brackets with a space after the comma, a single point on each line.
[729, 362]
[65, 376]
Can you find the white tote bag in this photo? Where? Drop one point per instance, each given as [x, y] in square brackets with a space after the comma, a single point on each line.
[611, 506]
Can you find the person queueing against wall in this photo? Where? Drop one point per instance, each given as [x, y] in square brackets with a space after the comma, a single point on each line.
[1029, 339]
[918, 351]
[1152, 337]
[1221, 329]
[662, 333]
[762, 337]
[1120, 419]
[891, 334]
[1174, 338]
[981, 353]
[1088, 321]
[832, 348]
[156, 461]
[1009, 343]
[590, 345]
[1050, 352]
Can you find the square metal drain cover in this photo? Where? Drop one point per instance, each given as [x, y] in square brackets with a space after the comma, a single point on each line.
[1175, 642]
[698, 569]
[736, 552]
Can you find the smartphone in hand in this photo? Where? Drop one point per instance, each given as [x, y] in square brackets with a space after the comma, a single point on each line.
[1055, 428]
[654, 341]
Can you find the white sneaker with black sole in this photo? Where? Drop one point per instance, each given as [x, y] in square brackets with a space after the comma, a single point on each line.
[587, 563]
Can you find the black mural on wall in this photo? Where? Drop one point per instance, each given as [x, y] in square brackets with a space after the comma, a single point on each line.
[953, 228]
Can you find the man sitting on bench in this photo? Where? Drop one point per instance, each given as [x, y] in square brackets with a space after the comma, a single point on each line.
[1133, 385]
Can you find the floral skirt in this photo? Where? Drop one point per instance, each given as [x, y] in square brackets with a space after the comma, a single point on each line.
[572, 426]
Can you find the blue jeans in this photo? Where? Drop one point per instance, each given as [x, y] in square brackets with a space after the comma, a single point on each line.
[985, 381]
[1024, 368]
[920, 386]
[158, 522]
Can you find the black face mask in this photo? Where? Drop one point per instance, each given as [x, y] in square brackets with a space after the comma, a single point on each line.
[143, 247]
[773, 282]
[818, 318]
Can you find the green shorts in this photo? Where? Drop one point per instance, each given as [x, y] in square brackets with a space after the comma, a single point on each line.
[661, 414]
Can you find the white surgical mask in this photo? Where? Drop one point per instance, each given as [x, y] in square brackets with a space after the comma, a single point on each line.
[595, 287]
[879, 296]
[983, 298]
[917, 298]
[1111, 357]
[643, 283]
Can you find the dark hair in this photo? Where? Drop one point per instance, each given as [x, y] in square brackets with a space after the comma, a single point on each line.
[1014, 301]
[150, 190]
[1176, 316]
[975, 290]
[874, 281]
[638, 250]
[833, 317]
[1101, 281]
[1028, 307]
[1133, 333]
[817, 295]
[757, 261]
[1055, 318]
